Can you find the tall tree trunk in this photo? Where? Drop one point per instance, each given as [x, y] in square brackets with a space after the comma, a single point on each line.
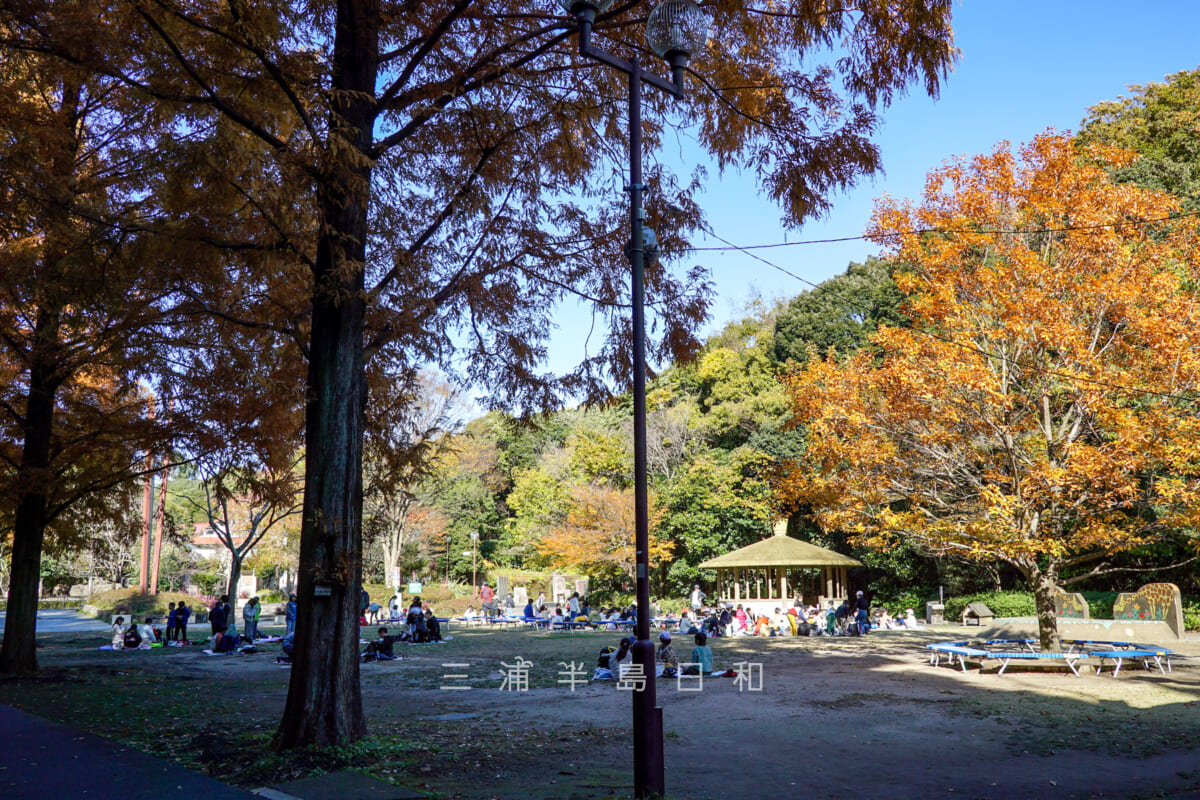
[235, 575]
[18, 655]
[324, 703]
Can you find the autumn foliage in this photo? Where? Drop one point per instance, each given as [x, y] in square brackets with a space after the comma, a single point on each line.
[598, 535]
[1040, 408]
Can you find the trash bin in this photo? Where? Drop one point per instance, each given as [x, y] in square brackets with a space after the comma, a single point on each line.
[935, 613]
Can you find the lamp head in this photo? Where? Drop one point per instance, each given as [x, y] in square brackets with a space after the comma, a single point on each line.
[585, 10]
[676, 29]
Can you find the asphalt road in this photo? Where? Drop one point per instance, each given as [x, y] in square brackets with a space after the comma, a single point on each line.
[64, 620]
[43, 760]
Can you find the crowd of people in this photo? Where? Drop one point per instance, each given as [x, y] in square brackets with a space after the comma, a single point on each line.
[853, 617]
[420, 625]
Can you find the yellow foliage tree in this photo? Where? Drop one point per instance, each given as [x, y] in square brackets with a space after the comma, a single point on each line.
[1041, 408]
[598, 535]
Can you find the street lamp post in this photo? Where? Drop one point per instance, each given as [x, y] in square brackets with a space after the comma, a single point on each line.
[474, 543]
[674, 30]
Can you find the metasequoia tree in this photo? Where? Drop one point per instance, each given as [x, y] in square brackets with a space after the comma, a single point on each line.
[80, 298]
[442, 149]
[1040, 408]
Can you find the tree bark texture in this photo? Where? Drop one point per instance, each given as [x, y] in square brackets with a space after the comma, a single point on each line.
[19, 654]
[1044, 584]
[324, 703]
[235, 575]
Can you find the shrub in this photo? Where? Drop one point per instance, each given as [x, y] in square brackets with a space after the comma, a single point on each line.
[899, 602]
[128, 601]
[1002, 604]
[1191, 613]
[1100, 604]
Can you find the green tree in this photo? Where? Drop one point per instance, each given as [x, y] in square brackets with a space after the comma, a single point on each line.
[1158, 121]
[720, 502]
[839, 314]
[738, 395]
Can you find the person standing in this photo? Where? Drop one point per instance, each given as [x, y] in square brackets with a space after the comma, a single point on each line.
[487, 599]
[290, 614]
[169, 633]
[230, 618]
[182, 615]
[698, 598]
[861, 610]
[218, 620]
[250, 617]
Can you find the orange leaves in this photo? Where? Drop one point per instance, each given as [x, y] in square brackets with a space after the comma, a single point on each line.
[598, 535]
[1039, 403]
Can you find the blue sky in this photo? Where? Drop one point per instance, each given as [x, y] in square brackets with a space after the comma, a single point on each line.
[1024, 67]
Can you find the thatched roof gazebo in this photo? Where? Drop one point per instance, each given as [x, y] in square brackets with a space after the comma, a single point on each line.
[769, 573]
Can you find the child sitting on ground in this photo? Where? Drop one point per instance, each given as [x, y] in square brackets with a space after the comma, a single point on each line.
[148, 634]
[118, 633]
[381, 649]
[132, 639]
[702, 661]
[666, 658]
[432, 626]
[608, 668]
[288, 646]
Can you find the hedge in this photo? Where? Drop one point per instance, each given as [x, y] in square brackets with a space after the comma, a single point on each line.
[1021, 604]
[1002, 604]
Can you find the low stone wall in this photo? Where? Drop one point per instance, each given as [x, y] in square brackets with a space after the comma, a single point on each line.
[1118, 630]
[1159, 602]
[1105, 630]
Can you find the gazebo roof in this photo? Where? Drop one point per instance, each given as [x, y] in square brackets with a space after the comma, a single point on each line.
[780, 550]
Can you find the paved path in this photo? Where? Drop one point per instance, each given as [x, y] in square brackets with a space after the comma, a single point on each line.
[64, 620]
[42, 759]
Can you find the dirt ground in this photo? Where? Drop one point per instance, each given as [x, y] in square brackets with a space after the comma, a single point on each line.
[820, 718]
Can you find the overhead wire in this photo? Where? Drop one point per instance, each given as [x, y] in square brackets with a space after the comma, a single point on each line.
[972, 348]
[923, 231]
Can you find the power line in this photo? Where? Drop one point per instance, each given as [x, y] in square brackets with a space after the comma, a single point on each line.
[971, 348]
[948, 231]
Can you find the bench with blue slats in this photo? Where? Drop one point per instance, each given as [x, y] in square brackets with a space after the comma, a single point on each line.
[1117, 652]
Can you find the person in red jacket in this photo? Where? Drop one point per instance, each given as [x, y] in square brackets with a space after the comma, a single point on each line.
[487, 598]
